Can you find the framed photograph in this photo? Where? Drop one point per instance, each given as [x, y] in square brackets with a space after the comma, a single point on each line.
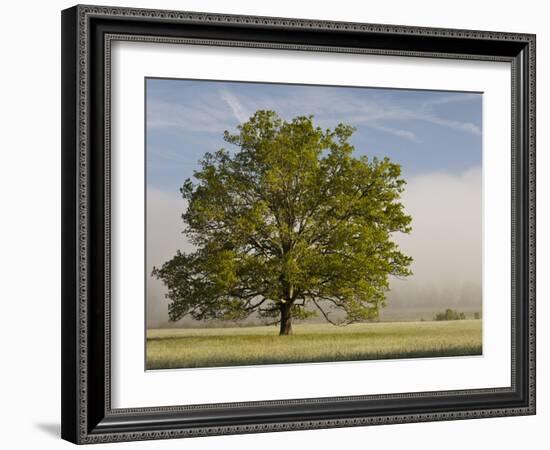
[280, 224]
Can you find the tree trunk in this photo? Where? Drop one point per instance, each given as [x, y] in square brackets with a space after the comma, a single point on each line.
[286, 320]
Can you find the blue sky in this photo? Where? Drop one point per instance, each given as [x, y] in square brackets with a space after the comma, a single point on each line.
[424, 131]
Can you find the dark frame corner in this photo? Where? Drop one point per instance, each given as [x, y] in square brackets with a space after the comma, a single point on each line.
[87, 416]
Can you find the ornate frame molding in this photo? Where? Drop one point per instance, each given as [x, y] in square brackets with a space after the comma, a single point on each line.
[84, 421]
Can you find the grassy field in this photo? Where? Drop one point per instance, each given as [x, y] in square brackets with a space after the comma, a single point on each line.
[215, 347]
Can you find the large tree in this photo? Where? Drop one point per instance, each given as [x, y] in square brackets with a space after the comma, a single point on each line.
[288, 225]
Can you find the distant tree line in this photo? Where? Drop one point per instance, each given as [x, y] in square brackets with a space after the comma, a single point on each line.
[450, 314]
[453, 314]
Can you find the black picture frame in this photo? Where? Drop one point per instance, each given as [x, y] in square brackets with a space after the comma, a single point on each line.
[87, 416]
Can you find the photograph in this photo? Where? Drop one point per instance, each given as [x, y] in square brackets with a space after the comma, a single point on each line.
[272, 222]
[298, 223]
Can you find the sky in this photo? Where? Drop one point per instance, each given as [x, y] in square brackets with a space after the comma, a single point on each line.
[436, 136]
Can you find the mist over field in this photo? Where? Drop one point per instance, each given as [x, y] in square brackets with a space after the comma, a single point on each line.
[446, 244]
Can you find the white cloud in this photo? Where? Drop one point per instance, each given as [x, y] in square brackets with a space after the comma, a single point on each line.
[369, 113]
[406, 134]
[447, 226]
[453, 124]
[206, 115]
[446, 244]
[164, 238]
[237, 109]
[223, 109]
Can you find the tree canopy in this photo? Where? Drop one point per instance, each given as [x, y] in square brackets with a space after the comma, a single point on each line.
[289, 225]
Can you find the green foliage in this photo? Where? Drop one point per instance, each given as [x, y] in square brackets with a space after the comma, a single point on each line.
[450, 314]
[288, 223]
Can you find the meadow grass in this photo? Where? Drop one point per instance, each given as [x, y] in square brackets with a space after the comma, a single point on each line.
[215, 347]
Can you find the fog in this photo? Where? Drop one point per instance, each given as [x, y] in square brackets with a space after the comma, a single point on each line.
[446, 245]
